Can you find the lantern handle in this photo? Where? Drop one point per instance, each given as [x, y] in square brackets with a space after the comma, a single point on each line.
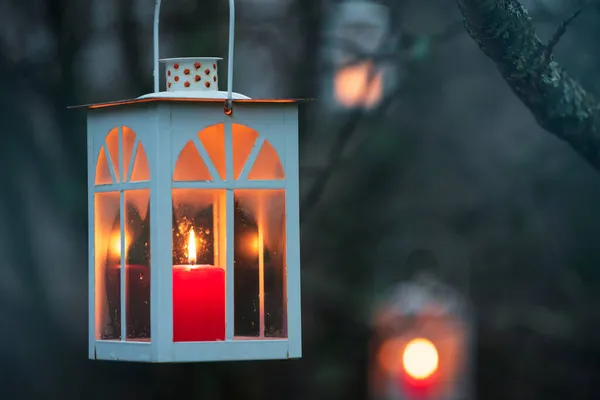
[230, 54]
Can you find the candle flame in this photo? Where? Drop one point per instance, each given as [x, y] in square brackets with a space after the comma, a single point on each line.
[192, 247]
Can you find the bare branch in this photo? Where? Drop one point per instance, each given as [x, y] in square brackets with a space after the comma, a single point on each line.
[560, 31]
[335, 157]
[336, 152]
[505, 33]
[407, 45]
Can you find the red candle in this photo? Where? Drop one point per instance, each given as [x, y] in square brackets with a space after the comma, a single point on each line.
[138, 297]
[198, 300]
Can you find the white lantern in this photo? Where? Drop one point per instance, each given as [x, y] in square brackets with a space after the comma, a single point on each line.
[193, 222]
[422, 343]
[359, 31]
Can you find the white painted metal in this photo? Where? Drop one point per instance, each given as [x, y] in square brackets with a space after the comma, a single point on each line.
[123, 351]
[161, 302]
[100, 124]
[207, 72]
[230, 47]
[229, 351]
[229, 271]
[252, 158]
[276, 184]
[194, 94]
[122, 230]
[164, 129]
[115, 187]
[229, 218]
[91, 168]
[129, 169]
[261, 283]
[292, 210]
[110, 163]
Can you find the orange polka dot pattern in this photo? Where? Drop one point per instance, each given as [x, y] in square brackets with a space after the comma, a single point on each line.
[192, 75]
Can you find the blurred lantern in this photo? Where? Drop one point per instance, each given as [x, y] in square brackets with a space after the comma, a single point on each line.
[421, 344]
[193, 222]
[358, 85]
[359, 34]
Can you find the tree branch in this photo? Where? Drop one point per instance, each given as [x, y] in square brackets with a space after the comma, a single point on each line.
[505, 33]
[562, 29]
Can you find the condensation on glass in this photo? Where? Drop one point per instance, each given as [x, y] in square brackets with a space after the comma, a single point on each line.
[200, 239]
[259, 254]
[199, 262]
[122, 237]
[259, 240]
[199, 235]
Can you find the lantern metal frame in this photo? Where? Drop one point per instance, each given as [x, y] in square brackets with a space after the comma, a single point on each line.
[163, 125]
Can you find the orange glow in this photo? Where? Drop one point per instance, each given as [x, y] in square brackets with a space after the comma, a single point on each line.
[244, 138]
[128, 144]
[358, 85]
[420, 359]
[115, 244]
[103, 175]
[190, 166]
[192, 247]
[267, 164]
[141, 168]
[388, 355]
[252, 244]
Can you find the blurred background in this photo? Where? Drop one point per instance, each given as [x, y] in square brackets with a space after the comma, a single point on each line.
[415, 143]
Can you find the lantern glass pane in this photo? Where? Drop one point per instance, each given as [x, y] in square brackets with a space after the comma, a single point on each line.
[128, 144]
[267, 165]
[137, 223]
[107, 256]
[189, 166]
[103, 176]
[243, 141]
[213, 140]
[259, 259]
[112, 141]
[199, 235]
[141, 168]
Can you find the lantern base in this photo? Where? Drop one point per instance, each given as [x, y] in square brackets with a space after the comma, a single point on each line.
[191, 352]
[193, 94]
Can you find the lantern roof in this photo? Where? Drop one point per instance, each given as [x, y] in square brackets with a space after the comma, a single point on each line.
[184, 98]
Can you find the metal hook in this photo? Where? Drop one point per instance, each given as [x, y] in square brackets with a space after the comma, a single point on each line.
[228, 109]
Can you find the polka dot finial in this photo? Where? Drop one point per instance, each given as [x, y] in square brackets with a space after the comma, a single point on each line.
[191, 74]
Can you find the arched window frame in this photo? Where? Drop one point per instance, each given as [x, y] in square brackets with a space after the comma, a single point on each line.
[120, 182]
